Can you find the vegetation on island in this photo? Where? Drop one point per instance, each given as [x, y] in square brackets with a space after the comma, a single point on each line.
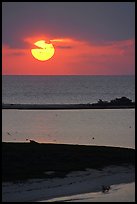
[123, 101]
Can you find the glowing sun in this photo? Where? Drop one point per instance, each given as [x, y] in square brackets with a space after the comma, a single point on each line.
[44, 51]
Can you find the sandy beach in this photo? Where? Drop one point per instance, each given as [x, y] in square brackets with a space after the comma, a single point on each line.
[76, 186]
[120, 193]
[34, 172]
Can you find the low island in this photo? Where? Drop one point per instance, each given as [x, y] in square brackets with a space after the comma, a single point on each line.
[117, 103]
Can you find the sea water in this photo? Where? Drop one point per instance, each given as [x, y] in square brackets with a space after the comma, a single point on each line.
[65, 89]
[112, 127]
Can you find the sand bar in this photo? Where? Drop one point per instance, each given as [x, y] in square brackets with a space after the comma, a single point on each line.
[63, 106]
[22, 161]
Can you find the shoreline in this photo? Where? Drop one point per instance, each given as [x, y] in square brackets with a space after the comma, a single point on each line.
[116, 193]
[64, 106]
[77, 185]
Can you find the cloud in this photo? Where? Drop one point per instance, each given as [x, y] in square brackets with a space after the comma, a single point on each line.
[8, 51]
[64, 47]
[73, 56]
[91, 21]
[58, 43]
[82, 49]
[16, 53]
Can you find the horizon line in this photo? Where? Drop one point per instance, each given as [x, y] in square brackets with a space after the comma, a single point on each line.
[68, 74]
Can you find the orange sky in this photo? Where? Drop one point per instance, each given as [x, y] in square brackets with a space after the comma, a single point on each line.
[72, 57]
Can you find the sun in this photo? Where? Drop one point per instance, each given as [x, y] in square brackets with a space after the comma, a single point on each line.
[44, 51]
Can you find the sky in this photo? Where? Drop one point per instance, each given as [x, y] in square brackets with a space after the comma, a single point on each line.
[89, 38]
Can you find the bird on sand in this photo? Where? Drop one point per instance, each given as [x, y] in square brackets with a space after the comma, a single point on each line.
[105, 189]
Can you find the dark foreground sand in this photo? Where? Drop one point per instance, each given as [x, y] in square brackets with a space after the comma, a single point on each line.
[78, 186]
[22, 161]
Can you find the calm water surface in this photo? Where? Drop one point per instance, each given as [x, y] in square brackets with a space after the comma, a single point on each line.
[114, 127]
[65, 89]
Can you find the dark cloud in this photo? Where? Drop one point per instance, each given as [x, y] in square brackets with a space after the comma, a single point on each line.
[16, 53]
[64, 47]
[92, 21]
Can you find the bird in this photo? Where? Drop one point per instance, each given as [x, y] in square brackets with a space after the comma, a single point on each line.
[33, 142]
[105, 189]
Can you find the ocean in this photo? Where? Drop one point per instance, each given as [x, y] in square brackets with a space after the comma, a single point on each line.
[112, 127]
[65, 89]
